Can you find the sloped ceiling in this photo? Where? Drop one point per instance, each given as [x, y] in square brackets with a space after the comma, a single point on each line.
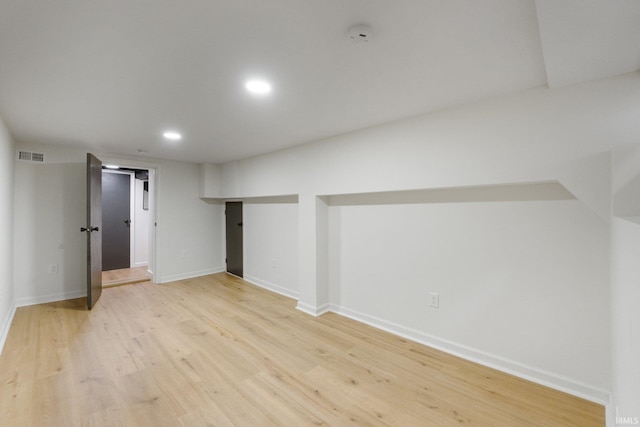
[112, 75]
[585, 40]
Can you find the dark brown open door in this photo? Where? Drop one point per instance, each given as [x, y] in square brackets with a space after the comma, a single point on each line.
[93, 230]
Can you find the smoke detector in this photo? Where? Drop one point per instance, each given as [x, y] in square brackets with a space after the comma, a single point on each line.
[360, 34]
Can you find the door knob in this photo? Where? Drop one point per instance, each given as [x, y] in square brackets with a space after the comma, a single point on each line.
[89, 229]
[127, 221]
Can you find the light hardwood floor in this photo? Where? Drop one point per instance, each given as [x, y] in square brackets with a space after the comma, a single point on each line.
[216, 351]
[125, 276]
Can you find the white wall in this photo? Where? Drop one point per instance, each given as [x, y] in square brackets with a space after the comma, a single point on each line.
[541, 135]
[7, 300]
[625, 277]
[270, 231]
[141, 227]
[189, 236]
[50, 209]
[521, 281]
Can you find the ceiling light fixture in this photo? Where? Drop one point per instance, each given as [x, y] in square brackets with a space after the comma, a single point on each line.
[112, 166]
[172, 136]
[258, 87]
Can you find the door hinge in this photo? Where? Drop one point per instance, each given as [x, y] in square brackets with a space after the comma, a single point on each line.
[225, 261]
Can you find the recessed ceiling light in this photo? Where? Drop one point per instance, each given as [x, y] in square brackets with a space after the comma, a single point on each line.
[258, 87]
[112, 166]
[172, 136]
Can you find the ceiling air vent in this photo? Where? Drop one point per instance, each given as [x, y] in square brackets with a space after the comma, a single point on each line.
[31, 157]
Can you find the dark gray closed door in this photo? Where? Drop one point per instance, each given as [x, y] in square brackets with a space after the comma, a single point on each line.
[234, 238]
[116, 212]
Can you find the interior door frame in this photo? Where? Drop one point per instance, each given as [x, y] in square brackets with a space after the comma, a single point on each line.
[154, 201]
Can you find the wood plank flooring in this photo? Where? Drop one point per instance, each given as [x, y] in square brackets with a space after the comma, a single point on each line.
[125, 276]
[216, 351]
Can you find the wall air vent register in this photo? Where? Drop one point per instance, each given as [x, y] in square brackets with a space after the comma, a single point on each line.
[31, 157]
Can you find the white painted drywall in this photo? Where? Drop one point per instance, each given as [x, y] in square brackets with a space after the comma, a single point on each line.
[271, 245]
[141, 227]
[7, 300]
[525, 281]
[50, 209]
[625, 279]
[189, 236]
[210, 180]
[625, 299]
[313, 254]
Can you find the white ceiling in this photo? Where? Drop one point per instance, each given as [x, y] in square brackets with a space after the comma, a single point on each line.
[111, 75]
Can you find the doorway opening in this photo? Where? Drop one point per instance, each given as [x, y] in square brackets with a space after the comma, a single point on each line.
[128, 212]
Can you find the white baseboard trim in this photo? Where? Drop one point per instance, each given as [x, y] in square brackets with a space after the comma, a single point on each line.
[271, 287]
[141, 264]
[190, 275]
[313, 310]
[6, 325]
[548, 379]
[42, 299]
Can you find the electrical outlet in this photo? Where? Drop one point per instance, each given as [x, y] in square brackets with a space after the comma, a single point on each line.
[434, 299]
[53, 268]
